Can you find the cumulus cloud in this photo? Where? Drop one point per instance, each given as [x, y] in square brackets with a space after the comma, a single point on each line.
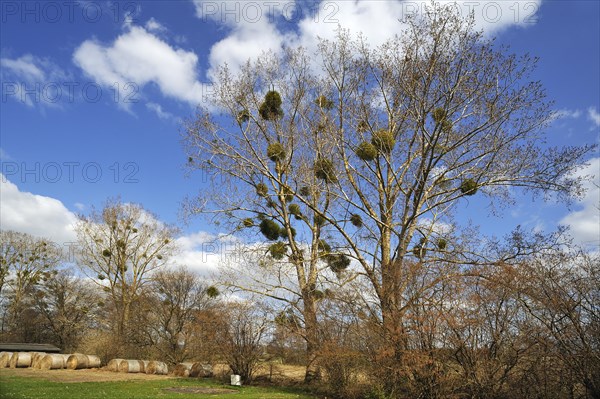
[258, 26]
[138, 56]
[203, 252]
[34, 214]
[584, 223]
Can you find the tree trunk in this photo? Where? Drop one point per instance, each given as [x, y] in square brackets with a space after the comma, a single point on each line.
[313, 372]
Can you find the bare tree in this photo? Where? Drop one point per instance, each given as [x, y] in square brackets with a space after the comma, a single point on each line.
[24, 262]
[242, 341]
[178, 296]
[378, 149]
[68, 307]
[119, 249]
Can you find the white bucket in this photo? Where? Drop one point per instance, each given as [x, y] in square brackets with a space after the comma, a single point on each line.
[236, 380]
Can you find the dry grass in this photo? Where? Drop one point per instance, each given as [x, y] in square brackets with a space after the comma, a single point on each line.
[85, 375]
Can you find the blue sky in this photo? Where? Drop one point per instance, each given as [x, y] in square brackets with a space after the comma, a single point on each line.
[93, 93]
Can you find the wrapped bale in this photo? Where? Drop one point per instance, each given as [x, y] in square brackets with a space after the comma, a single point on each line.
[201, 370]
[20, 360]
[129, 366]
[155, 367]
[183, 369]
[113, 364]
[52, 362]
[5, 359]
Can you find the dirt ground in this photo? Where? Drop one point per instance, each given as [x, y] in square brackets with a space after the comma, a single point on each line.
[86, 375]
[276, 372]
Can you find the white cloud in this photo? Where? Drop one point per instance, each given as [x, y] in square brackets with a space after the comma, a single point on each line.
[33, 214]
[566, 113]
[154, 26]
[254, 26]
[203, 252]
[162, 114]
[594, 116]
[585, 223]
[140, 57]
[33, 81]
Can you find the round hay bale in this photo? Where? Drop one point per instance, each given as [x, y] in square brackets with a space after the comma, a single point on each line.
[143, 365]
[201, 370]
[182, 369]
[129, 366]
[113, 364]
[155, 367]
[52, 362]
[36, 358]
[5, 359]
[77, 361]
[20, 360]
[94, 362]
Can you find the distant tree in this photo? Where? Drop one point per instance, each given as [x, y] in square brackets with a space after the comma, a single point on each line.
[119, 249]
[25, 262]
[177, 296]
[67, 307]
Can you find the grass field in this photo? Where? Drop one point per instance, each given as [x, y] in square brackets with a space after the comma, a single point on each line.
[59, 384]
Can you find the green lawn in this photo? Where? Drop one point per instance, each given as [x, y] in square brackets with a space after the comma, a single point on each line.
[12, 386]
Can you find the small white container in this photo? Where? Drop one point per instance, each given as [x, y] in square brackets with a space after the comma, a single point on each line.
[236, 380]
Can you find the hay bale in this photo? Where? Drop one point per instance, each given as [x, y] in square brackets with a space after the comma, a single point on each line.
[94, 362]
[129, 366]
[52, 362]
[20, 360]
[5, 359]
[77, 361]
[155, 367]
[182, 369]
[36, 358]
[113, 364]
[201, 370]
[143, 365]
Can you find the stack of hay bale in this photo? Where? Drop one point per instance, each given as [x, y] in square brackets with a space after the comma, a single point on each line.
[137, 366]
[48, 361]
